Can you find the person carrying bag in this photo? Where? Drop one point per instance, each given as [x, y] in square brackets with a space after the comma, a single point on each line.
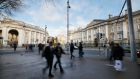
[118, 54]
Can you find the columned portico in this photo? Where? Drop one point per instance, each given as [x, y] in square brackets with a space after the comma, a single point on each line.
[20, 32]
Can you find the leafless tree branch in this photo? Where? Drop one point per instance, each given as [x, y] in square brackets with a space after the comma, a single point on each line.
[9, 6]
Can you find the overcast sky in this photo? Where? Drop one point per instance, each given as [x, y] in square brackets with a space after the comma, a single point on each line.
[54, 12]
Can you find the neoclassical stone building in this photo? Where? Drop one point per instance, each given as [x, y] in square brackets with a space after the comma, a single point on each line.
[112, 29]
[20, 32]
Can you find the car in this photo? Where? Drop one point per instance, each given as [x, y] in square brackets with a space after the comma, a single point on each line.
[126, 49]
[138, 53]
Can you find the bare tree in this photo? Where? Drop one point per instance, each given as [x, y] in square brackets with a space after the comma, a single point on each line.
[9, 6]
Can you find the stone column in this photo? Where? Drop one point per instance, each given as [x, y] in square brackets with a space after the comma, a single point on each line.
[21, 37]
[35, 37]
[4, 35]
[39, 39]
[92, 39]
[30, 37]
[107, 31]
[87, 36]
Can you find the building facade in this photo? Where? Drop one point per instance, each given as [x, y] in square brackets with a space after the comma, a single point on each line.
[114, 29]
[22, 33]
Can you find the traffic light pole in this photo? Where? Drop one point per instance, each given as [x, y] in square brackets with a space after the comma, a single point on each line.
[131, 31]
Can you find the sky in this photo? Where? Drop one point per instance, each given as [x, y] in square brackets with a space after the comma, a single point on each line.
[53, 13]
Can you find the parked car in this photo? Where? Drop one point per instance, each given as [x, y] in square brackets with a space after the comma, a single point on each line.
[138, 53]
[126, 49]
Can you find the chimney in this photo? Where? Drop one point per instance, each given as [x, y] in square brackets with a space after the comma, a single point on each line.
[126, 12]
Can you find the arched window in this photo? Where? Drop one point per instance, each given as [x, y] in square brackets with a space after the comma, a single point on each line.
[12, 36]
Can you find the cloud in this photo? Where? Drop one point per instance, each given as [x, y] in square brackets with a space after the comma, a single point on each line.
[44, 13]
[82, 12]
[135, 5]
[59, 30]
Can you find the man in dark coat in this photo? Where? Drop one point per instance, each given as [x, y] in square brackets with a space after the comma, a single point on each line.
[58, 52]
[111, 58]
[15, 46]
[71, 49]
[48, 54]
[118, 52]
[80, 50]
[40, 47]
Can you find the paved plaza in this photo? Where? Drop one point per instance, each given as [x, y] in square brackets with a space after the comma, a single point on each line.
[29, 65]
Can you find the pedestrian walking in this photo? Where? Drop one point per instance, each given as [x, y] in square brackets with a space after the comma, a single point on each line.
[48, 54]
[26, 47]
[111, 58]
[81, 53]
[118, 54]
[72, 49]
[15, 46]
[40, 47]
[31, 47]
[58, 52]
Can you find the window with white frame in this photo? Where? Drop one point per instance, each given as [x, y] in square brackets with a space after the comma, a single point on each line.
[89, 32]
[96, 31]
[120, 26]
[119, 36]
[112, 36]
[102, 29]
[112, 29]
[138, 26]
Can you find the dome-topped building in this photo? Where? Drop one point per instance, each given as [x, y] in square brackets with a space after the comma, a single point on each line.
[20, 32]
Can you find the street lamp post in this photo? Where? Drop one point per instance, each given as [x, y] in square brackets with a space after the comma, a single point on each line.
[131, 31]
[45, 34]
[68, 7]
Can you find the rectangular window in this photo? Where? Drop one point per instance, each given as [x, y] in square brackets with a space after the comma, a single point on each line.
[120, 26]
[113, 37]
[112, 29]
[138, 26]
[119, 36]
